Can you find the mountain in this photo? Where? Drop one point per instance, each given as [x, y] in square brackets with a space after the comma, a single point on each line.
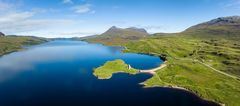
[220, 27]
[131, 32]
[221, 21]
[115, 35]
[137, 29]
[2, 34]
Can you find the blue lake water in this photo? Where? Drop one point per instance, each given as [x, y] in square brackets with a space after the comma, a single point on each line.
[59, 73]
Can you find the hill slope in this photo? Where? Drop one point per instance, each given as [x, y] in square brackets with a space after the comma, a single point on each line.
[221, 21]
[223, 27]
[10, 44]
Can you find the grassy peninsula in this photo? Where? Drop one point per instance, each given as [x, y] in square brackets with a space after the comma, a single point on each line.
[109, 68]
[10, 44]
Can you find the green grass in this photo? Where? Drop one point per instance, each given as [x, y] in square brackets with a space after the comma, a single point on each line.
[199, 79]
[211, 32]
[10, 44]
[111, 67]
[221, 54]
[184, 70]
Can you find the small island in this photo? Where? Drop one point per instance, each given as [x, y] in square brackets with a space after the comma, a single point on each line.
[111, 67]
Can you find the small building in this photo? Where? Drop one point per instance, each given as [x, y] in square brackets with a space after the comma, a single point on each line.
[129, 67]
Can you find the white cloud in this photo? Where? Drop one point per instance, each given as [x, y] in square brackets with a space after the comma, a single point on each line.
[67, 2]
[232, 4]
[152, 27]
[14, 17]
[44, 10]
[6, 7]
[79, 34]
[15, 21]
[85, 8]
[23, 22]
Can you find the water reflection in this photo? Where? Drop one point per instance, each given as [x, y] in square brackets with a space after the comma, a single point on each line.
[69, 52]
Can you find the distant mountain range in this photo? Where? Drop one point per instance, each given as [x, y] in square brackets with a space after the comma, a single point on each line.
[223, 27]
[2, 34]
[131, 32]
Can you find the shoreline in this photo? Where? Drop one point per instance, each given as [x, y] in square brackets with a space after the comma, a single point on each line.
[22, 48]
[153, 70]
[180, 88]
[100, 78]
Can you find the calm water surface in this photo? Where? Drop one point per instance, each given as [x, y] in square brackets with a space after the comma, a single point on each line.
[59, 73]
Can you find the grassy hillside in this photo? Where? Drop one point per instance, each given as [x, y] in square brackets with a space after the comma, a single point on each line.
[196, 64]
[204, 59]
[221, 54]
[208, 67]
[110, 40]
[10, 44]
[230, 32]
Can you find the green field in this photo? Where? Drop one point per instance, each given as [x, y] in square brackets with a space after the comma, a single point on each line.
[111, 67]
[10, 44]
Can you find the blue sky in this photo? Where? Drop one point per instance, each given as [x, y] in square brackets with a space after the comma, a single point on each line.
[68, 18]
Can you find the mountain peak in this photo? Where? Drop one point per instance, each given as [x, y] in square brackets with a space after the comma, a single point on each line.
[137, 29]
[232, 20]
[113, 27]
[221, 21]
[127, 32]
